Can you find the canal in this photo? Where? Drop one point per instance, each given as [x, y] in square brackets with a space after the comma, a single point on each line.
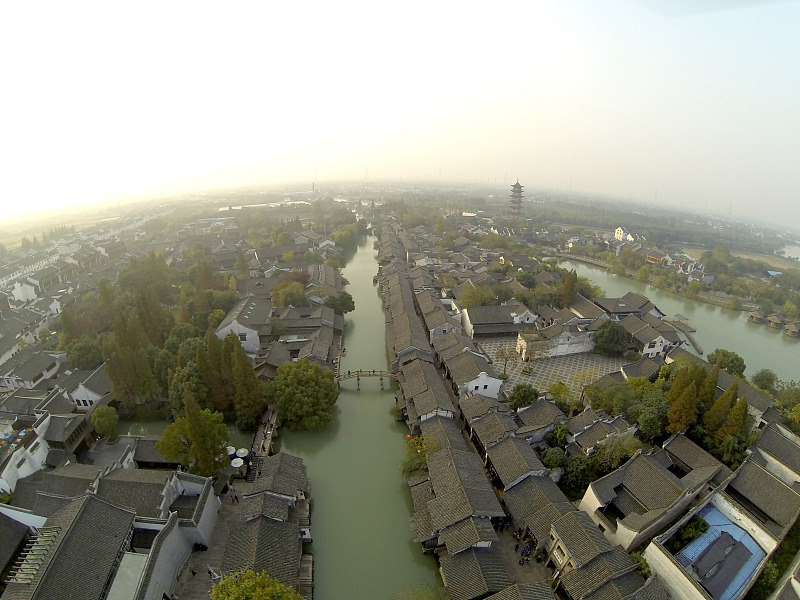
[760, 346]
[360, 503]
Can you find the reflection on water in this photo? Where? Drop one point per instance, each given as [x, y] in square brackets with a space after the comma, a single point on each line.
[363, 546]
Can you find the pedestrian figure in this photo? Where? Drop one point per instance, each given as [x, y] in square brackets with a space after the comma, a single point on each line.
[236, 498]
[516, 547]
[194, 572]
[210, 573]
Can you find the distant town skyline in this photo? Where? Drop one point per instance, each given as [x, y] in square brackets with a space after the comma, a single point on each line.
[686, 104]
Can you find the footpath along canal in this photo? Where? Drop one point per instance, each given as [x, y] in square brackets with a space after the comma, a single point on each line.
[360, 503]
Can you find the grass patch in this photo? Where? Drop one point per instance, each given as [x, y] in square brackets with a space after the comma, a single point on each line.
[781, 559]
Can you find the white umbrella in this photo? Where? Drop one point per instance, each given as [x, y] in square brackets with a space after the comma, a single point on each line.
[241, 452]
[237, 463]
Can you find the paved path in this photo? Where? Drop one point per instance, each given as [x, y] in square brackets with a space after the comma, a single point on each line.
[531, 572]
[588, 367]
[196, 587]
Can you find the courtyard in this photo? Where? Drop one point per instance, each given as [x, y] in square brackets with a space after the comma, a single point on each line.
[575, 370]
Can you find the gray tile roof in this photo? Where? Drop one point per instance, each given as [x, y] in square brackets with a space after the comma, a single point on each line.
[581, 537]
[477, 405]
[474, 573]
[468, 533]
[86, 527]
[513, 458]
[251, 311]
[63, 426]
[540, 414]
[489, 315]
[608, 576]
[70, 480]
[443, 432]
[525, 591]
[420, 520]
[493, 427]
[141, 490]
[461, 488]
[781, 446]
[263, 544]
[773, 503]
[11, 535]
[145, 450]
[282, 474]
[537, 502]
[466, 366]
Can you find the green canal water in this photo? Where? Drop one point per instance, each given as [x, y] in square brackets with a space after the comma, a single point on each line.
[360, 504]
[760, 346]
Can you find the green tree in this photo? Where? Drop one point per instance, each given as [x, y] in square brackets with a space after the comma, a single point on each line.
[643, 274]
[707, 391]
[188, 379]
[576, 473]
[196, 440]
[294, 294]
[506, 353]
[788, 394]
[612, 339]
[765, 379]
[613, 397]
[249, 585]
[554, 458]
[250, 399]
[523, 394]
[765, 585]
[715, 416]
[650, 414]
[335, 260]
[679, 381]
[104, 421]
[341, 303]
[735, 423]
[615, 450]
[132, 379]
[304, 393]
[727, 360]
[418, 448]
[478, 296]
[242, 268]
[682, 412]
[561, 394]
[215, 317]
[85, 353]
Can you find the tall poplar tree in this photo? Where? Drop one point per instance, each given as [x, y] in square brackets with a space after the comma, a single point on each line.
[716, 415]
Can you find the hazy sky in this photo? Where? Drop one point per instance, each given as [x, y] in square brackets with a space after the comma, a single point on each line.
[644, 99]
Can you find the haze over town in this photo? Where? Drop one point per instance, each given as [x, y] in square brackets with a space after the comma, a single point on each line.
[686, 104]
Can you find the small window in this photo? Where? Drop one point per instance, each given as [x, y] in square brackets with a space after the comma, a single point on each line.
[600, 527]
[242, 337]
[486, 387]
[476, 387]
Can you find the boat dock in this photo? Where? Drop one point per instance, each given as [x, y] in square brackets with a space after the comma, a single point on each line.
[683, 326]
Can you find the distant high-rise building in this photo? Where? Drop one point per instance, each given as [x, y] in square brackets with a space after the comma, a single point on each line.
[516, 200]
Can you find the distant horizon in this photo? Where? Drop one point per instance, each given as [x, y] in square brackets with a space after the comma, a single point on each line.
[687, 104]
[82, 213]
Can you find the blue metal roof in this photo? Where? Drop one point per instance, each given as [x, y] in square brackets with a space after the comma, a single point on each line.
[719, 524]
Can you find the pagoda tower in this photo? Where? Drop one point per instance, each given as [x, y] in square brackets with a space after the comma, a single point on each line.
[516, 200]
